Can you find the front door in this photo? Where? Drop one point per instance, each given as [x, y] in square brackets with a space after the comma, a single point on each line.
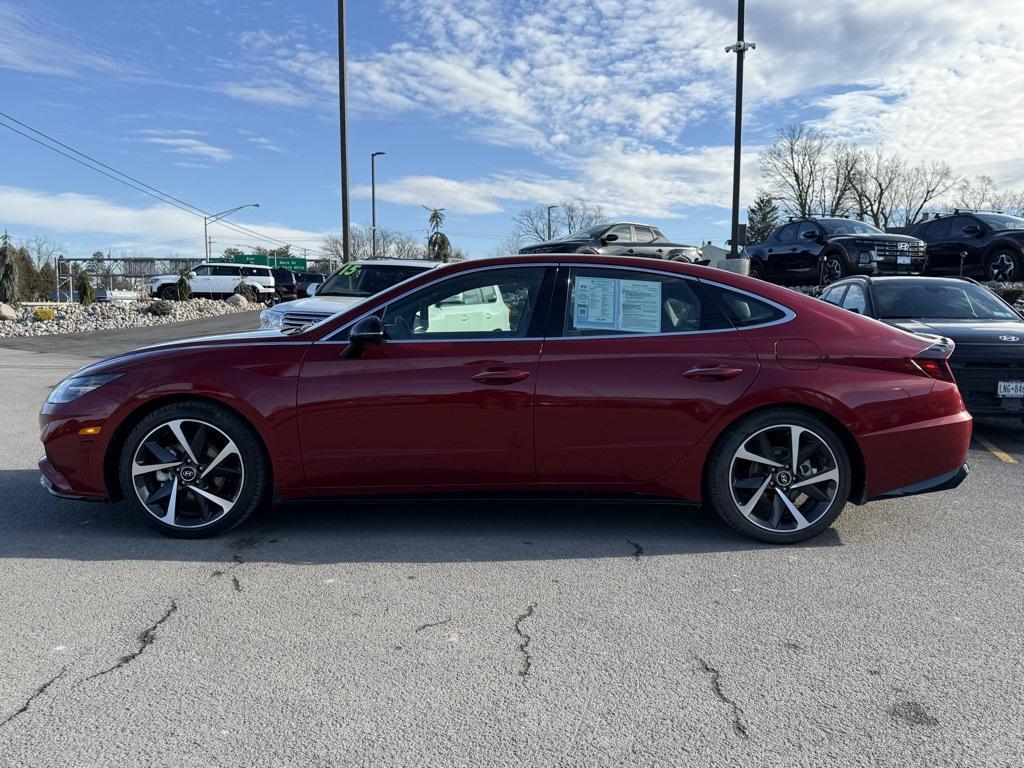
[643, 366]
[442, 402]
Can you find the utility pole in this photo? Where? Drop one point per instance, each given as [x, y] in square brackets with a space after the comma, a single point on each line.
[550, 209]
[208, 220]
[740, 47]
[373, 199]
[343, 115]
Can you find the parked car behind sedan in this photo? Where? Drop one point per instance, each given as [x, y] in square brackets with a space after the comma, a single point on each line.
[349, 285]
[822, 250]
[608, 375]
[620, 239]
[988, 361]
[305, 279]
[284, 284]
[217, 280]
[989, 246]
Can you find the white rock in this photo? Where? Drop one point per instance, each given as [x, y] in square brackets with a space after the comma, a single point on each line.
[7, 312]
[237, 300]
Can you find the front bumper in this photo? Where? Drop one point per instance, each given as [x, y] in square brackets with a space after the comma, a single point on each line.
[57, 485]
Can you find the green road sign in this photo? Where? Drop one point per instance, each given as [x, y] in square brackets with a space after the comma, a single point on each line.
[283, 262]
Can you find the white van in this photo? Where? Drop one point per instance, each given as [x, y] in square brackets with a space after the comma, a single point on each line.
[217, 280]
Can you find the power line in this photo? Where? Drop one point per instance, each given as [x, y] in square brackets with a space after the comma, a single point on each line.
[132, 182]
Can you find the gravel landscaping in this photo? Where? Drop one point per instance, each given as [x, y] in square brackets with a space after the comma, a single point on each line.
[74, 318]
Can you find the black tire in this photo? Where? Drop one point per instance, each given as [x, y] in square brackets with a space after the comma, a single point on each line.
[726, 466]
[833, 268]
[168, 292]
[587, 249]
[757, 270]
[251, 486]
[680, 257]
[1003, 267]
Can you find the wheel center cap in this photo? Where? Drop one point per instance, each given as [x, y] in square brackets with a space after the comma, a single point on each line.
[187, 474]
[783, 478]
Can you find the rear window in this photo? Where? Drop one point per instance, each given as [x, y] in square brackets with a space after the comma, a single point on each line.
[742, 309]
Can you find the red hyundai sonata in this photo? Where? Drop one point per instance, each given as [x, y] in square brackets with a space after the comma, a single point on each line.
[578, 374]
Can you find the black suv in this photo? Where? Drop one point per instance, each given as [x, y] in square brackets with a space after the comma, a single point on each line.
[621, 238]
[823, 250]
[989, 246]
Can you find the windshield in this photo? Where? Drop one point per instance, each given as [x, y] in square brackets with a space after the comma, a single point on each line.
[848, 227]
[1001, 221]
[941, 301]
[585, 234]
[361, 279]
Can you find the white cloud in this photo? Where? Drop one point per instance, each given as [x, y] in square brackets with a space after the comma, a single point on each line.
[267, 144]
[114, 225]
[33, 43]
[190, 146]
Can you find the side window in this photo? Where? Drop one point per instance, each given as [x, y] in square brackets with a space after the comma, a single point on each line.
[957, 224]
[254, 272]
[624, 232]
[743, 309]
[855, 299]
[204, 270]
[644, 234]
[788, 233]
[603, 302]
[486, 304]
[834, 295]
[224, 270]
[938, 229]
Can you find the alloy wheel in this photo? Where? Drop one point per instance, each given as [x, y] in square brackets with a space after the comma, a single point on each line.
[831, 271]
[1000, 269]
[187, 473]
[784, 478]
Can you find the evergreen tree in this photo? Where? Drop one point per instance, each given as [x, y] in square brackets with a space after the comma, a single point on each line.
[84, 286]
[762, 218]
[439, 247]
[8, 271]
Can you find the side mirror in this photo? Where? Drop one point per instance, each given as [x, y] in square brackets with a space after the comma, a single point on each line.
[369, 330]
[972, 229]
[191, 274]
[610, 238]
[311, 289]
[810, 235]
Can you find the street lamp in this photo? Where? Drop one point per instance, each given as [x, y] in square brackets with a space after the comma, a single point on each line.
[740, 47]
[373, 198]
[550, 209]
[208, 220]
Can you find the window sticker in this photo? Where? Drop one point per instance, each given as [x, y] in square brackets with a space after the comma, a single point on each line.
[601, 303]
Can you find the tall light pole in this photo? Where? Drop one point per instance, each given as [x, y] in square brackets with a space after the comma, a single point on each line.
[343, 115]
[373, 198]
[740, 47]
[208, 220]
[550, 209]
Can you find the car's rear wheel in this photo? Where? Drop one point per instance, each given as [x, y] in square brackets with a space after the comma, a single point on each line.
[1003, 267]
[832, 269]
[193, 469]
[756, 269]
[781, 476]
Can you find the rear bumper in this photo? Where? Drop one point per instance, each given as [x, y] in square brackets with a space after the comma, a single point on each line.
[944, 482]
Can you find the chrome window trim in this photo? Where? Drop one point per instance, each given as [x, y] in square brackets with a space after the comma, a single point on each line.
[788, 314]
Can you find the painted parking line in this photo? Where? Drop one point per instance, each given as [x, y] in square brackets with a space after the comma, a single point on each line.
[994, 449]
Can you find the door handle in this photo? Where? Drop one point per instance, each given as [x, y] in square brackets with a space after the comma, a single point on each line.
[712, 373]
[500, 377]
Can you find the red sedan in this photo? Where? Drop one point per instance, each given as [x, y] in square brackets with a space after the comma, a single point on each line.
[556, 373]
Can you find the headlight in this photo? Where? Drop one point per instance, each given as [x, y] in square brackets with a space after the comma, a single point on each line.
[73, 388]
[271, 319]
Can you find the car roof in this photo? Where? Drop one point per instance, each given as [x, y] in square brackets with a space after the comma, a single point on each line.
[874, 280]
[401, 262]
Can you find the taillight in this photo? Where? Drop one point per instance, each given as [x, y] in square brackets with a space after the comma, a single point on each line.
[934, 361]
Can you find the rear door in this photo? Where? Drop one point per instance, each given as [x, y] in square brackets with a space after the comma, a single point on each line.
[225, 278]
[637, 367]
[943, 255]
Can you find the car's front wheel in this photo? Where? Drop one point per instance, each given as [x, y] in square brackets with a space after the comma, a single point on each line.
[193, 469]
[168, 292]
[832, 269]
[1003, 267]
[781, 476]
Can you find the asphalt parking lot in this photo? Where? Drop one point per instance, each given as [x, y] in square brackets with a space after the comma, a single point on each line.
[499, 634]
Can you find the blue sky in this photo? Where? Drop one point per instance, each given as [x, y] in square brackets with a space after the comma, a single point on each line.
[483, 106]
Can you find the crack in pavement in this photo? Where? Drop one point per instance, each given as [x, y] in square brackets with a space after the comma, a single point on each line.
[638, 550]
[422, 627]
[716, 687]
[235, 584]
[146, 638]
[524, 639]
[35, 695]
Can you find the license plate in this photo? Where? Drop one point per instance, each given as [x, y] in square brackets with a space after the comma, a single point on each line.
[903, 260]
[1011, 389]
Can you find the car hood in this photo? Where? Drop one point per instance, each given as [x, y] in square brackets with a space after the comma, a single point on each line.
[327, 305]
[966, 332]
[885, 237]
[555, 246]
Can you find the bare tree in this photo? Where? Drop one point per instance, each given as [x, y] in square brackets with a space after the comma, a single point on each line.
[508, 247]
[977, 193]
[568, 216]
[793, 167]
[920, 186]
[42, 249]
[876, 183]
